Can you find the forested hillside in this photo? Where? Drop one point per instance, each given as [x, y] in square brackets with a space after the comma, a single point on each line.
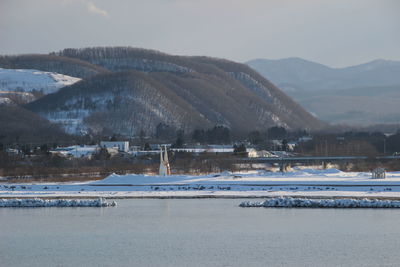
[18, 125]
[68, 66]
[127, 91]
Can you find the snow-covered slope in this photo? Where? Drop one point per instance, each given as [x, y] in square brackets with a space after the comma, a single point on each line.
[145, 88]
[24, 80]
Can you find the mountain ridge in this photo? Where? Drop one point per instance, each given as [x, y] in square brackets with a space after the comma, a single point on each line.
[145, 88]
[327, 92]
[308, 74]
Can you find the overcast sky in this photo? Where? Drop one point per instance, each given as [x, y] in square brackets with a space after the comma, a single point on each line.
[333, 32]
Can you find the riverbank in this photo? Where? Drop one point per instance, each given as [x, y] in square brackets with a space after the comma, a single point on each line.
[310, 183]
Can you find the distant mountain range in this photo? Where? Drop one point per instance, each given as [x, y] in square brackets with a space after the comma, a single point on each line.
[364, 94]
[126, 91]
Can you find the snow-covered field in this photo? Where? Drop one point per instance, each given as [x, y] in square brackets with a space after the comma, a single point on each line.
[26, 80]
[330, 183]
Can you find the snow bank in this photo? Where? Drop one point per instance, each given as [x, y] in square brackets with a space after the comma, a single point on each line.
[288, 202]
[307, 177]
[37, 202]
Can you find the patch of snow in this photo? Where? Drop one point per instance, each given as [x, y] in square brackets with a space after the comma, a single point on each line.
[5, 101]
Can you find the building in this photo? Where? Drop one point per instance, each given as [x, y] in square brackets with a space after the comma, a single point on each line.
[122, 146]
[76, 151]
[253, 153]
[12, 151]
[305, 139]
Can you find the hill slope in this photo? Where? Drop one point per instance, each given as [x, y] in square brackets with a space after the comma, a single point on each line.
[361, 94]
[25, 126]
[144, 88]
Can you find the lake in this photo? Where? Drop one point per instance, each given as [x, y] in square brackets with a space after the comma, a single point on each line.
[198, 232]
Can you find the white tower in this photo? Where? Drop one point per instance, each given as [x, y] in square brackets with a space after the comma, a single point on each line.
[164, 164]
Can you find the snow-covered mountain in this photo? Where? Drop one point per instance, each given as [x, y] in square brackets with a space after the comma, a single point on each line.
[142, 89]
[27, 84]
[363, 94]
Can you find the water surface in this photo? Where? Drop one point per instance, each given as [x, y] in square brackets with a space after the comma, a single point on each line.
[198, 232]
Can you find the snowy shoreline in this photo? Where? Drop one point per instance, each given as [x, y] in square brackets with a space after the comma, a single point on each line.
[199, 196]
[311, 183]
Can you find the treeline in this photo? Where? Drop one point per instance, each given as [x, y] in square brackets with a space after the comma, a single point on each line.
[52, 63]
[217, 135]
[351, 144]
[48, 167]
[117, 52]
[128, 58]
[223, 135]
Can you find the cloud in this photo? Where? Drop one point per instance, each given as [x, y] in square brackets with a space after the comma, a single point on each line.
[96, 10]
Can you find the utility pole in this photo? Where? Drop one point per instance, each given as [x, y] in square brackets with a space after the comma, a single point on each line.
[326, 148]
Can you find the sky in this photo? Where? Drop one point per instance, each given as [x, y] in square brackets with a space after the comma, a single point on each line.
[337, 33]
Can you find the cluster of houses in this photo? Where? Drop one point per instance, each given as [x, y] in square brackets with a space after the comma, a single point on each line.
[87, 151]
[122, 147]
